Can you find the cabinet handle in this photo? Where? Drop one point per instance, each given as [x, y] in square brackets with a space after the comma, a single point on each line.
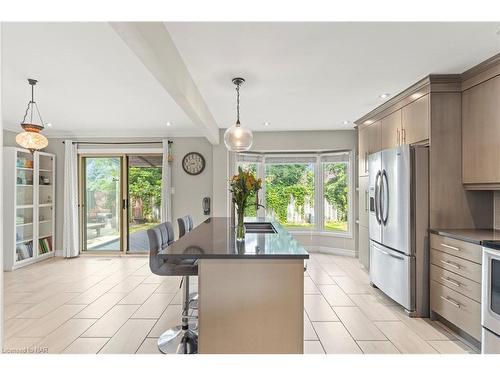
[454, 265]
[366, 161]
[450, 247]
[403, 134]
[366, 200]
[397, 137]
[451, 281]
[452, 301]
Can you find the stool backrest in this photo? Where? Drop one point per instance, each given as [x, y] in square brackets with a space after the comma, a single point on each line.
[159, 237]
[185, 225]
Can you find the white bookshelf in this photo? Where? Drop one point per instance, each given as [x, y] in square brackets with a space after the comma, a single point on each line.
[29, 207]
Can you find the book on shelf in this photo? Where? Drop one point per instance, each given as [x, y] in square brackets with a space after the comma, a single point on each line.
[24, 250]
[45, 245]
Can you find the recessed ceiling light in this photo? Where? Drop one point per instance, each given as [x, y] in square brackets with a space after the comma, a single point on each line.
[169, 123]
[267, 123]
[48, 124]
[384, 96]
[346, 122]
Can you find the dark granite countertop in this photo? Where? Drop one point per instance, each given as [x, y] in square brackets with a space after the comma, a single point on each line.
[215, 239]
[476, 236]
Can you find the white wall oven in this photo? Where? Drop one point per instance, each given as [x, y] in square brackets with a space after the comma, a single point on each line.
[490, 306]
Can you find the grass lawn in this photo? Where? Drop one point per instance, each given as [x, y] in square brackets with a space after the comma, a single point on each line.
[336, 226]
[140, 227]
[297, 226]
[339, 226]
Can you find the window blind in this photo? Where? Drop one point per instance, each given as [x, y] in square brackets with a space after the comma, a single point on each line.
[339, 157]
[249, 158]
[290, 159]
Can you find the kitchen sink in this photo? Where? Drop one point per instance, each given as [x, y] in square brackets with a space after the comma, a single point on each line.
[259, 228]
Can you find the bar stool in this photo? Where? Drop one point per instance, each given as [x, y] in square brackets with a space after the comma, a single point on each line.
[186, 225]
[184, 334]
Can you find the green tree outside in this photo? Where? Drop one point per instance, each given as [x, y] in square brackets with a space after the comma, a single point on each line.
[283, 181]
[144, 190]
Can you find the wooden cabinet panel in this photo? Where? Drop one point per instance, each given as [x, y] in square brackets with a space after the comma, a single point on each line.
[461, 249]
[374, 137]
[462, 267]
[415, 121]
[456, 308]
[458, 283]
[363, 204]
[363, 146]
[391, 130]
[481, 132]
[364, 246]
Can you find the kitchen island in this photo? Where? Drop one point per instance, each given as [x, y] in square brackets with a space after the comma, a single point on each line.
[251, 293]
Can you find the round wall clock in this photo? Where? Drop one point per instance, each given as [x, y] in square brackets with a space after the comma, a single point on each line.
[193, 163]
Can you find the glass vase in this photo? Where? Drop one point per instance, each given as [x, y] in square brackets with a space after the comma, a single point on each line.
[240, 227]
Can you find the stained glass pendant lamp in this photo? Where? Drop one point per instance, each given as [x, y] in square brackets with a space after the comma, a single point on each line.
[31, 138]
[238, 138]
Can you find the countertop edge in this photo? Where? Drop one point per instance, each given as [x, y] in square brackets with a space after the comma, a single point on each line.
[456, 236]
[233, 256]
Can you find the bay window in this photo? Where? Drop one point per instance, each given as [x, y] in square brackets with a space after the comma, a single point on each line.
[303, 191]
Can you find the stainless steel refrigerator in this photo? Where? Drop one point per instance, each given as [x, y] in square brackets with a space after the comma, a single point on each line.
[398, 226]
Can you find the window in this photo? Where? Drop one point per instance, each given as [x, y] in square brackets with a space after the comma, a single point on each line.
[335, 192]
[303, 191]
[290, 191]
[250, 163]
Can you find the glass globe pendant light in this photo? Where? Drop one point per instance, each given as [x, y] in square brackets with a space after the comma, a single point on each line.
[238, 138]
[31, 138]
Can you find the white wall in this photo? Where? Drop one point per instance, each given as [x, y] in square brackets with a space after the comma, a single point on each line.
[1, 205]
[9, 137]
[189, 191]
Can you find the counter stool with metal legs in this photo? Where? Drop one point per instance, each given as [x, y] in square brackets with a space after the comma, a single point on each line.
[186, 225]
[184, 335]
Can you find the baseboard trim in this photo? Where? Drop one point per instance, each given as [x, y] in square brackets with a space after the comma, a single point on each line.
[331, 250]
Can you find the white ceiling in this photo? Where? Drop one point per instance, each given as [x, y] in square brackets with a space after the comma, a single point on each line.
[300, 76]
[305, 76]
[90, 83]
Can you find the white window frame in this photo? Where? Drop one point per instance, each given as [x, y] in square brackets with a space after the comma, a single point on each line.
[318, 189]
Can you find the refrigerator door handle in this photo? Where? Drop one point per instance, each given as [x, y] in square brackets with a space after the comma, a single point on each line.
[387, 253]
[385, 190]
[377, 198]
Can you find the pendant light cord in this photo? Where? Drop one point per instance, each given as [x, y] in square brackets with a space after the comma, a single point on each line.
[237, 104]
[32, 104]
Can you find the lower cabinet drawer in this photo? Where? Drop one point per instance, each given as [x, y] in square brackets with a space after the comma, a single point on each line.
[458, 248]
[457, 309]
[458, 283]
[462, 267]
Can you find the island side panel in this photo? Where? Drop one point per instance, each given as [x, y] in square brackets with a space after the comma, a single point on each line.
[251, 306]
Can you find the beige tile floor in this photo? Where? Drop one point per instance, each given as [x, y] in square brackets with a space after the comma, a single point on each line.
[115, 305]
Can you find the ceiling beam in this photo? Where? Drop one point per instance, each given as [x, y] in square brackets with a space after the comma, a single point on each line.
[152, 44]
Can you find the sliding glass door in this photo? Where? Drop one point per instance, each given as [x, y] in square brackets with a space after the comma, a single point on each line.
[144, 199]
[102, 203]
[120, 199]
